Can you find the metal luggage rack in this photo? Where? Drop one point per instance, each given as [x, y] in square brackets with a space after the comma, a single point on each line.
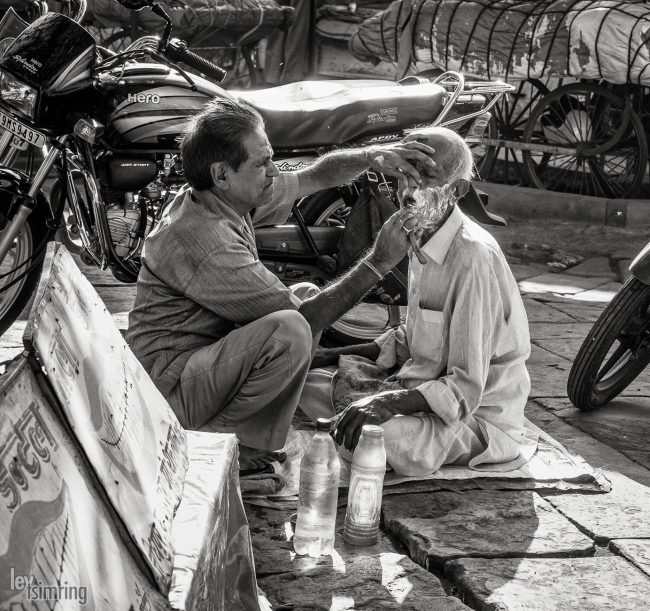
[456, 86]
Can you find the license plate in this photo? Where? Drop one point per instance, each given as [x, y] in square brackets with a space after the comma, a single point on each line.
[29, 135]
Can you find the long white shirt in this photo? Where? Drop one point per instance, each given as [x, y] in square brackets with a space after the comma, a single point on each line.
[465, 340]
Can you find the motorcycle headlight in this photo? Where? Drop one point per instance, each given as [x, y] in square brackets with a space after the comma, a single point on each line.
[18, 95]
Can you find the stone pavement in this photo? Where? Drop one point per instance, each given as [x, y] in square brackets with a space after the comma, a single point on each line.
[492, 550]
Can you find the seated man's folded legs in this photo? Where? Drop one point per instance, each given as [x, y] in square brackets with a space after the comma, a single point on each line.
[249, 382]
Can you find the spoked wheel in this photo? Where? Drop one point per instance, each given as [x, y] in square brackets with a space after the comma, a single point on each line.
[591, 142]
[366, 321]
[17, 281]
[616, 350]
[509, 117]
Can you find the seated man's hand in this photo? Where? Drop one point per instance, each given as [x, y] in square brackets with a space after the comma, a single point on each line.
[324, 357]
[375, 409]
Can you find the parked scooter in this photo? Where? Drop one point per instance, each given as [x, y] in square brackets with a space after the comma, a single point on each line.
[107, 125]
[617, 348]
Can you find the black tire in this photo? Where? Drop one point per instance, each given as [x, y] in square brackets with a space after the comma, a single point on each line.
[14, 298]
[626, 320]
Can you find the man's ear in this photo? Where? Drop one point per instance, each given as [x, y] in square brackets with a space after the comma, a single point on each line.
[461, 187]
[219, 173]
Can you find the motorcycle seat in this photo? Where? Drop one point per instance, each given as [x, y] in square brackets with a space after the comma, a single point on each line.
[321, 113]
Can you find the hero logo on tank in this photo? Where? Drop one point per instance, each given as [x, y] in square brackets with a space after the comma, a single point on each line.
[143, 98]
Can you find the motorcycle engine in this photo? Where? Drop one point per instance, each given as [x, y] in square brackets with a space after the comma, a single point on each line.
[124, 224]
[135, 191]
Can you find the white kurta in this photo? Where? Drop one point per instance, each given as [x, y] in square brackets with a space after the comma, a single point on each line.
[463, 346]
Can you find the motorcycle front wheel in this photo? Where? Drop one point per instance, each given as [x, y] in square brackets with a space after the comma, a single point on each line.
[616, 350]
[21, 268]
[366, 321]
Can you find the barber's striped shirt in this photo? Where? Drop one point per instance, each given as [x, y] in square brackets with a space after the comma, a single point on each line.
[201, 277]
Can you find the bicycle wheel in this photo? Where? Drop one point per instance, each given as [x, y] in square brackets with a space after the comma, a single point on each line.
[616, 350]
[594, 143]
[510, 115]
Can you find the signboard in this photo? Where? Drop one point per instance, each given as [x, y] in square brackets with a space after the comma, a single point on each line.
[128, 431]
[58, 545]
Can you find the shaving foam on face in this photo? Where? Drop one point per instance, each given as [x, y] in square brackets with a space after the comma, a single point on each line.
[432, 204]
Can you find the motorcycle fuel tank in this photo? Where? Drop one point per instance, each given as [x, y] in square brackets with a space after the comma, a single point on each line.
[151, 105]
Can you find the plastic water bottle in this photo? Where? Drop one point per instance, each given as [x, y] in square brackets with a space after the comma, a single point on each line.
[366, 484]
[320, 470]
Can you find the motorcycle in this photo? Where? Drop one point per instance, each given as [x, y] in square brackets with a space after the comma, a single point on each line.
[617, 348]
[106, 126]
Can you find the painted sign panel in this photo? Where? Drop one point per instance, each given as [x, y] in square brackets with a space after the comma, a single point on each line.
[128, 431]
[59, 548]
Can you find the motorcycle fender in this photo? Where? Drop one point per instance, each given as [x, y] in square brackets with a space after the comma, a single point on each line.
[13, 186]
[640, 267]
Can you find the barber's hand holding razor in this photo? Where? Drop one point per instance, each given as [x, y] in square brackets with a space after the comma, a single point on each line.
[393, 240]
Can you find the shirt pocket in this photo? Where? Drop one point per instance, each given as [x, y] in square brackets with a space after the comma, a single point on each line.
[428, 333]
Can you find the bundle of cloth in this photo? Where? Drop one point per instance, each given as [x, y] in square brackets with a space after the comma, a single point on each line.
[208, 22]
[513, 40]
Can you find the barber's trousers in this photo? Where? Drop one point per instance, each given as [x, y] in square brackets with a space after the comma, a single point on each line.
[249, 382]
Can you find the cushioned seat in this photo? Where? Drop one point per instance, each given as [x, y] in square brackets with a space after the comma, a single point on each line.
[317, 113]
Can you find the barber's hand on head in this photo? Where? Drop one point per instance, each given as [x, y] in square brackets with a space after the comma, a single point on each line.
[369, 410]
[393, 241]
[399, 158]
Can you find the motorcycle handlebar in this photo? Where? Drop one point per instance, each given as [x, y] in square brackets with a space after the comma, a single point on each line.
[179, 53]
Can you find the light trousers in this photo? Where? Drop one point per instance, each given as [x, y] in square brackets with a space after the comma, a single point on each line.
[416, 445]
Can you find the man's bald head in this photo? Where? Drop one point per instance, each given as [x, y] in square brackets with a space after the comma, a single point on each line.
[453, 155]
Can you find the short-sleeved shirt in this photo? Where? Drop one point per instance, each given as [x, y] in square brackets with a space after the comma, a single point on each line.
[201, 277]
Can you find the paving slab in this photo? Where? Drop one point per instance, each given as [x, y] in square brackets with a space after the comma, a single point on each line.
[391, 581]
[548, 373]
[375, 577]
[637, 551]
[560, 284]
[586, 312]
[12, 341]
[438, 527]
[606, 583]
[380, 576]
[623, 513]
[559, 330]
[565, 348]
[271, 532]
[594, 267]
[537, 311]
[601, 294]
[522, 271]
[598, 454]
[623, 424]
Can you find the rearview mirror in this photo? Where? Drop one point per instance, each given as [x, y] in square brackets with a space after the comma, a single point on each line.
[135, 5]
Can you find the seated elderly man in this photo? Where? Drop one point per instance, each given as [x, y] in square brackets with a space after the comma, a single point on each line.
[450, 384]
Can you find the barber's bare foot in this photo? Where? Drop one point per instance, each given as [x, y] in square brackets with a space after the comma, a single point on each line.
[251, 459]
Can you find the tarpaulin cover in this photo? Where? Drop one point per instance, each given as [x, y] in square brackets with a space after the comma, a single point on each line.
[510, 39]
[213, 21]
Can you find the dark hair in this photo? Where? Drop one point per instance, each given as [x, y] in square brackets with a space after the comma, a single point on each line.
[217, 134]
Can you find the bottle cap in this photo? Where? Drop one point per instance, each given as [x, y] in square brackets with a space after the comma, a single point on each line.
[372, 430]
[323, 424]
